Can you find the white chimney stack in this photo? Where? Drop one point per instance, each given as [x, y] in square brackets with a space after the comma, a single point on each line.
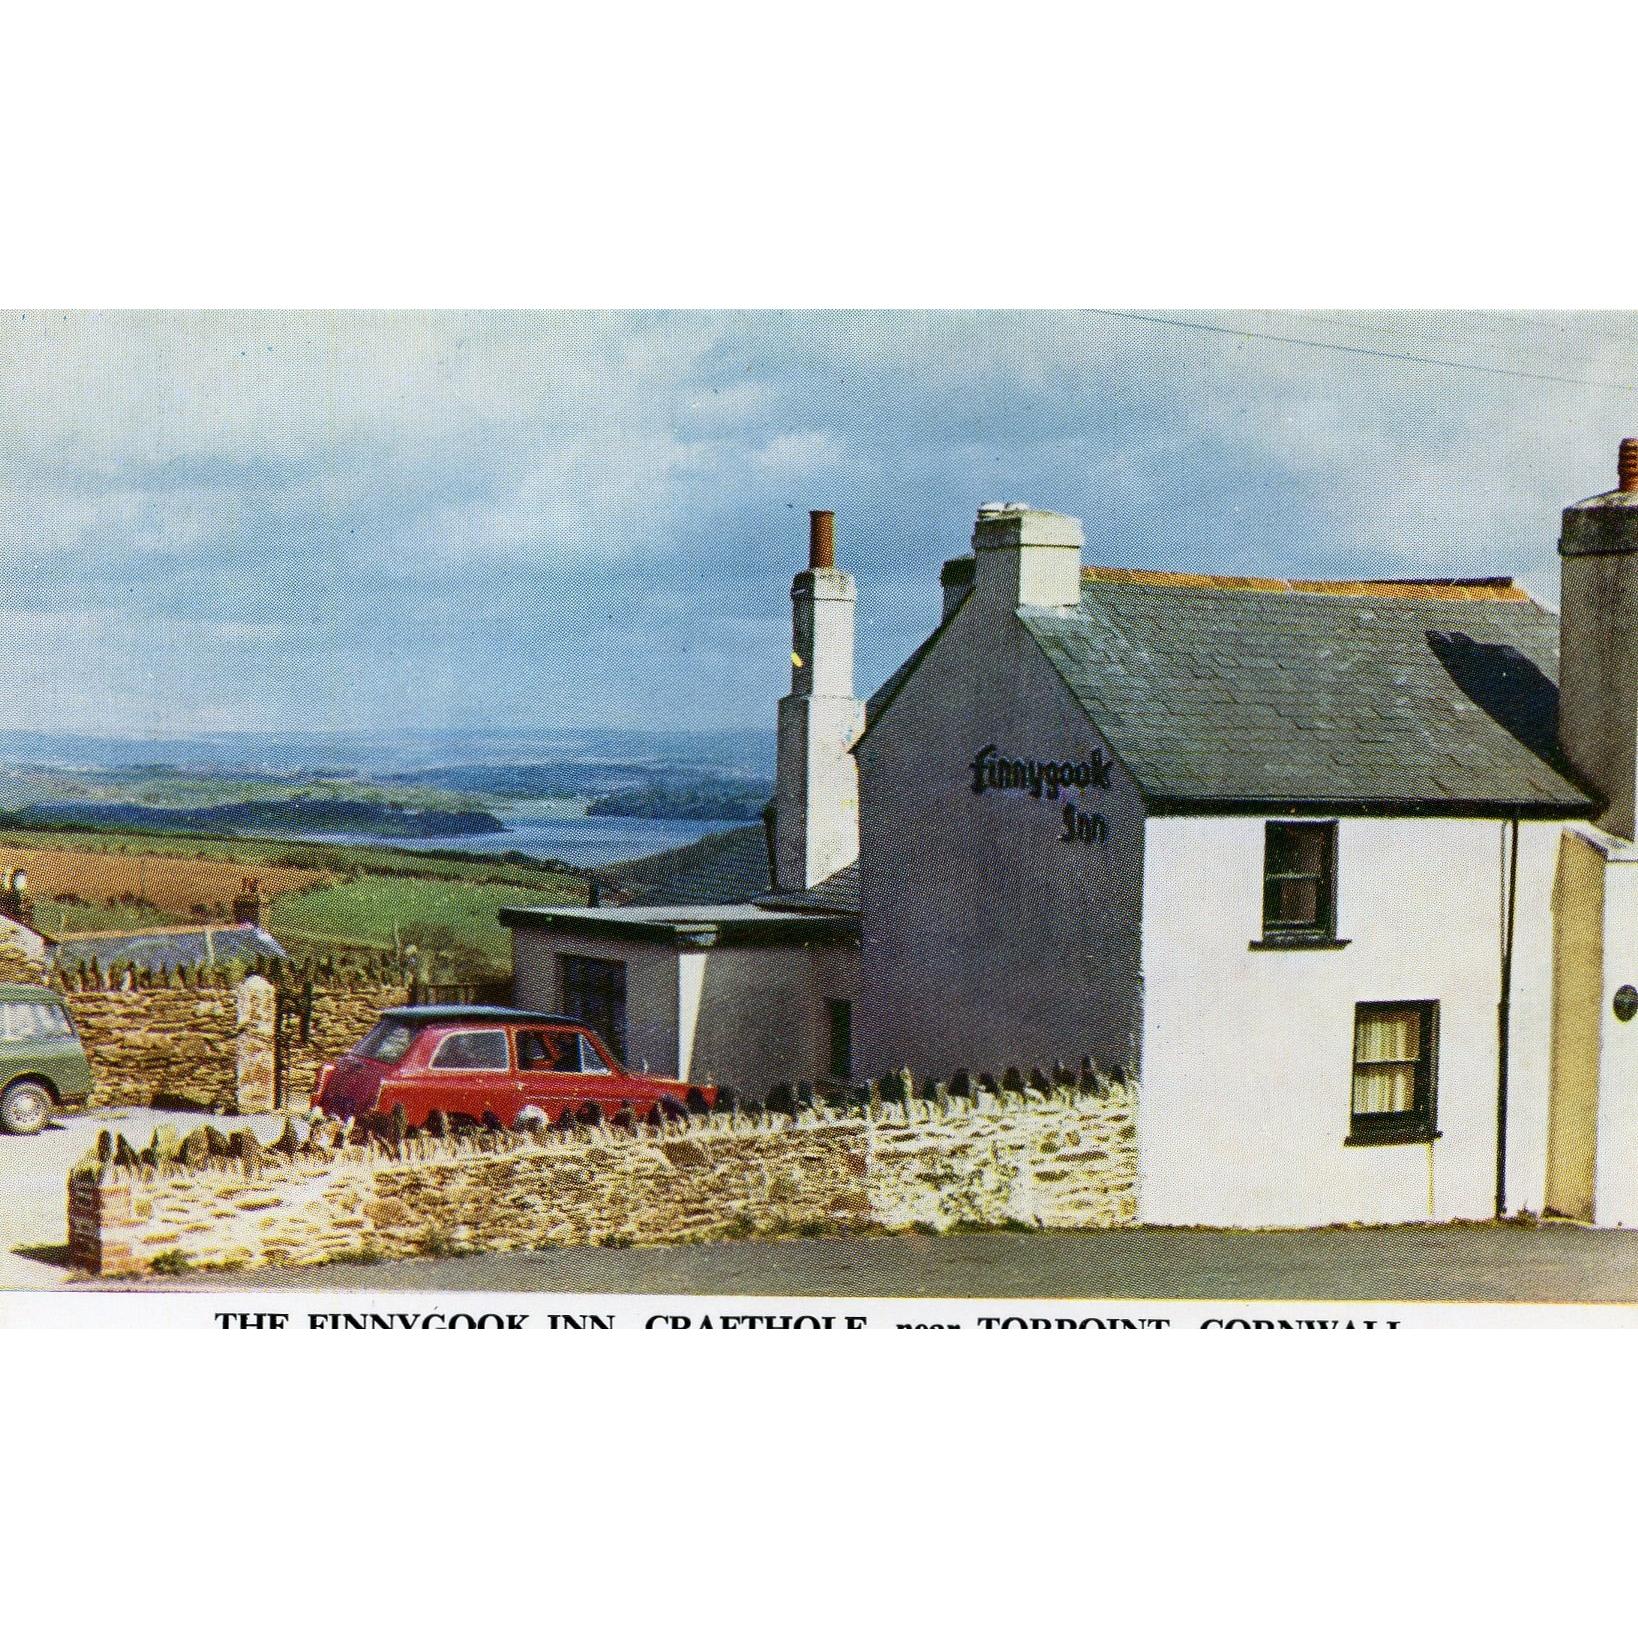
[1026, 558]
[1598, 644]
[816, 800]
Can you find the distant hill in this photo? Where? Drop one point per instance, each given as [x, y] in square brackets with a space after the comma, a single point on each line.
[702, 799]
[408, 785]
[294, 817]
[373, 752]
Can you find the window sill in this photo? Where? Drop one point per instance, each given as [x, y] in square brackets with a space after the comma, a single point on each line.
[1375, 1140]
[1300, 941]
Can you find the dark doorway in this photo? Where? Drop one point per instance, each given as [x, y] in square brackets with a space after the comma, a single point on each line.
[594, 991]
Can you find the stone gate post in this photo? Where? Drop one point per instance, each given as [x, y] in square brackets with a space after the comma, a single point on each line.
[254, 1070]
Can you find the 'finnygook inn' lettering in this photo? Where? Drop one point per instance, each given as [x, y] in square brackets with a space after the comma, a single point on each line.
[999, 773]
[993, 772]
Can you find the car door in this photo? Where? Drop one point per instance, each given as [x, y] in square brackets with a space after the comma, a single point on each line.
[470, 1073]
[552, 1076]
[40, 1040]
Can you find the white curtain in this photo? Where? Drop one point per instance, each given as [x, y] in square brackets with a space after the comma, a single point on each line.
[1387, 1046]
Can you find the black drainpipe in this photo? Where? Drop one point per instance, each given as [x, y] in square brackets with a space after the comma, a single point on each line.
[1504, 1010]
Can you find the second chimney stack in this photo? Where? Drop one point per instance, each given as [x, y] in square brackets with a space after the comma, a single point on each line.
[1626, 466]
[821, 540]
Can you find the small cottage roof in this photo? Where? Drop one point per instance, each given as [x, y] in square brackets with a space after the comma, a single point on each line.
[1221, 692]
[729, 867]
[685, 924]
[171, 947]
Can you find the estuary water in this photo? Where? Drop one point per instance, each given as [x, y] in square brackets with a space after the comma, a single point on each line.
[577, 839]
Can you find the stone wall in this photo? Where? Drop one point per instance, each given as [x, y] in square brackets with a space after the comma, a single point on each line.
[204, 1038]
[1063, 1158]
[321, 1022]
[181, 1043]
[22, 954]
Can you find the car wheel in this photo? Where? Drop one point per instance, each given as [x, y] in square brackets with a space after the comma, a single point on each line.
[530, 1119]
[25, 1108]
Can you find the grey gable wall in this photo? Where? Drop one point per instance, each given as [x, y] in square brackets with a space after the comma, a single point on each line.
[987, 939]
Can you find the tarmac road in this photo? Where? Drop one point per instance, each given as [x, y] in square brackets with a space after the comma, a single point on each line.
[1483, 1264]
[1554, 1263]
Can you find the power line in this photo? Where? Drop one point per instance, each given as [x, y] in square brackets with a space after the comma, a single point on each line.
[1361, 352]
[1565, 331]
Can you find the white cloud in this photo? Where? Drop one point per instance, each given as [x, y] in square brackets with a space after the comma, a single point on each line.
[182, 474]
[795, 454]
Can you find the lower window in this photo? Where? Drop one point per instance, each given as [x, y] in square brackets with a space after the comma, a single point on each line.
[1396, 1047]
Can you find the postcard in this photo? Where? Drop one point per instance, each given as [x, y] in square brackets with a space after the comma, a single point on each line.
[1014, 820]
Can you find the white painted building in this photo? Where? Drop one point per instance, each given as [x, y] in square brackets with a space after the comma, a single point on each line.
[1335, 870]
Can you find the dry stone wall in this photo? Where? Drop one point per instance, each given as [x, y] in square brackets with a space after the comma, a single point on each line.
[320, 1023]
[181, 1043]
[1063, 1158]
[207, 1037]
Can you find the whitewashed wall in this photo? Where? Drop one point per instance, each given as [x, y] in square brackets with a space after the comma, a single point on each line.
[987, 940]
[747, 1016]
[1247, 1054]
[651, 987]
[755, 1015]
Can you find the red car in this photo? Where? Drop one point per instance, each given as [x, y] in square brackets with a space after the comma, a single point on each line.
[519, 1069]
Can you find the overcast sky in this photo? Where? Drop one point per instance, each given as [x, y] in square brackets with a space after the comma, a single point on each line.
[357, 520]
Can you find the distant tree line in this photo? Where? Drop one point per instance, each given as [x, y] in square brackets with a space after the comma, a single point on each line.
[701, 799]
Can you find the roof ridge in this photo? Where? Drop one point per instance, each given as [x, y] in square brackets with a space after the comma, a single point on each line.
[1485, 588]
[168, 932]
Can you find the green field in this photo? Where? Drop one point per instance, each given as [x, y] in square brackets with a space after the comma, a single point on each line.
[454, 920]
[361, 898]
[342, 858]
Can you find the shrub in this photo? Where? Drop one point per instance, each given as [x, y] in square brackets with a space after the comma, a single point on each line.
[360, 1256]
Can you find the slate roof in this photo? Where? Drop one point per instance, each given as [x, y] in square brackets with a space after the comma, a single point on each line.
[172, 947]
[730, 867]
[839, 892]
[1217, 693]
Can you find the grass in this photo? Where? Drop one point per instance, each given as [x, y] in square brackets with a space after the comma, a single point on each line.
[85, 885]
[381, 912]
[325, 896]
[264, 853]
[57, 918]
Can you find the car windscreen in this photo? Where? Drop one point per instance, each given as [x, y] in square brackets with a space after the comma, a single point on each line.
[386, 1043]
[473, 1049]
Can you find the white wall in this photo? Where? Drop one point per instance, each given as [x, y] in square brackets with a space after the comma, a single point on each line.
[747, 1016]
[987, 940]
[759, 1011]
[1247, 1054]
[651, 987]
